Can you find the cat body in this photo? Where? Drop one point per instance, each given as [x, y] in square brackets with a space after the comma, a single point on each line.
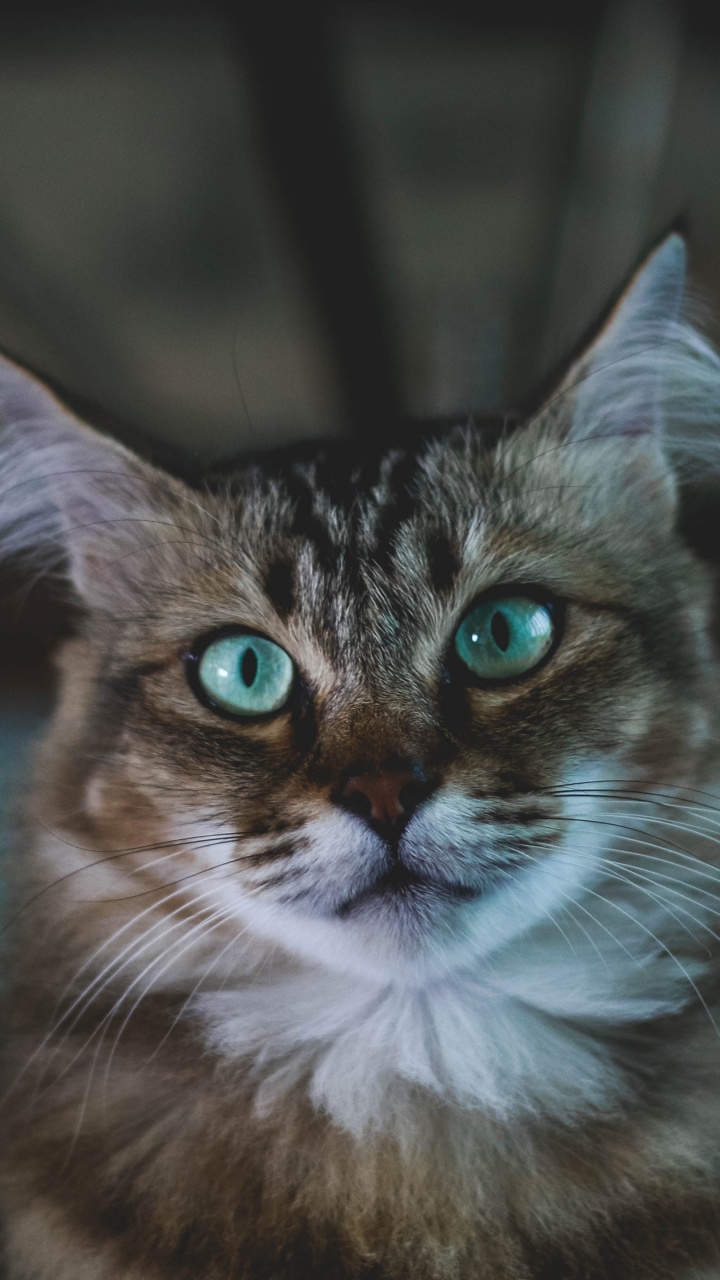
[406, 964]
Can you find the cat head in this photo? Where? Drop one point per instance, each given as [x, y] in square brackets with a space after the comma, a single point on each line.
[369, 705]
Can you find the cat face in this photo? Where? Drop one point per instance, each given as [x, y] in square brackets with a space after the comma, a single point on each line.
[397, 811]
[374, 706]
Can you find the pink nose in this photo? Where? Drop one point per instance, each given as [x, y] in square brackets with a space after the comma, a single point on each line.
[383, 790]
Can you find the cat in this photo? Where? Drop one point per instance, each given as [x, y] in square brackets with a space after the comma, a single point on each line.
[365, 921]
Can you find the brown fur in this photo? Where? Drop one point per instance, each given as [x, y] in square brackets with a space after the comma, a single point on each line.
[134, 1150]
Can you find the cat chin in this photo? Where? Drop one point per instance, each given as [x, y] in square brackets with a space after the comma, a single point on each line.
[494, 1009]
[345, 912]
[417, 936]
[508, 1039]
[423, 932]
[342, 915]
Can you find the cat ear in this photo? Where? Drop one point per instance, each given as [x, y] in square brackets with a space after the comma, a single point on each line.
[72, 501]
[639, 410]
[617, 384]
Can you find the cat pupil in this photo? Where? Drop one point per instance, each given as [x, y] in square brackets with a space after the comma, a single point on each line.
[371, 1024]
[500, 631]
[249, 666]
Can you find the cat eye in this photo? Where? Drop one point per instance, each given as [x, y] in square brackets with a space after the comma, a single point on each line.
[505, 636]
[243, 674]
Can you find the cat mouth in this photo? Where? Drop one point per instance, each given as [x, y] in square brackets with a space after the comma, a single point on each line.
[400, 882]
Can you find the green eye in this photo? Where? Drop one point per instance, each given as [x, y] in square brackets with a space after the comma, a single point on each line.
[505, 637]
[246, 675]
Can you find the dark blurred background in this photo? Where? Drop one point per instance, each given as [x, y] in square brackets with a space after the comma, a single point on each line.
[239, 225]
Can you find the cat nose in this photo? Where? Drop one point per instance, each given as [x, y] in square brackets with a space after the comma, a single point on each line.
[386, 798]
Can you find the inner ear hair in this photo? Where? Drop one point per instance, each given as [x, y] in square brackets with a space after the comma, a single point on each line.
[72, 500]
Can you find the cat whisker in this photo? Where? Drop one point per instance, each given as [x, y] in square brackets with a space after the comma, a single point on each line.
[619, 877]
[579, 925]
[657, 876]
[190, 938]
[681, 859]
[232, 942]
[644, 792]
[665, 878]
[198, 985]
[131, 951]
[216, 919]
[580, 907]
[127, 956]
[696, 822]
[615, 906]
[663, 947]
[635, 836]
[702, 820]
[170, 958]
[192, 875]
[103, 1026]
[153, 908]
[640, 876]
[189, 842]
[549, 915]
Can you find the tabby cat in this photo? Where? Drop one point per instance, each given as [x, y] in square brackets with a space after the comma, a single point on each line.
[366, 924]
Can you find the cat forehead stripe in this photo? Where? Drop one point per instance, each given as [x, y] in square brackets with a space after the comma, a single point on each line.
[363, 518]
[364, 916]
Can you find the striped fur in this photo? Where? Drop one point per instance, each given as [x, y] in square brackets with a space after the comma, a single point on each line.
[236, 1051]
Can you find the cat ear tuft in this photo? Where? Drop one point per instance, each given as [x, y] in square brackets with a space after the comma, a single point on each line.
[72, 502]
[649, 381]
[618, 383]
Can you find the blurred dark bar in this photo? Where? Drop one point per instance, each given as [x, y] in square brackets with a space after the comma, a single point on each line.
[308, 151]
[337, 214]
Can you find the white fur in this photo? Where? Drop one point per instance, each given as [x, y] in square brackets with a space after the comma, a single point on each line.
[492, 1018]
[478, 1002]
